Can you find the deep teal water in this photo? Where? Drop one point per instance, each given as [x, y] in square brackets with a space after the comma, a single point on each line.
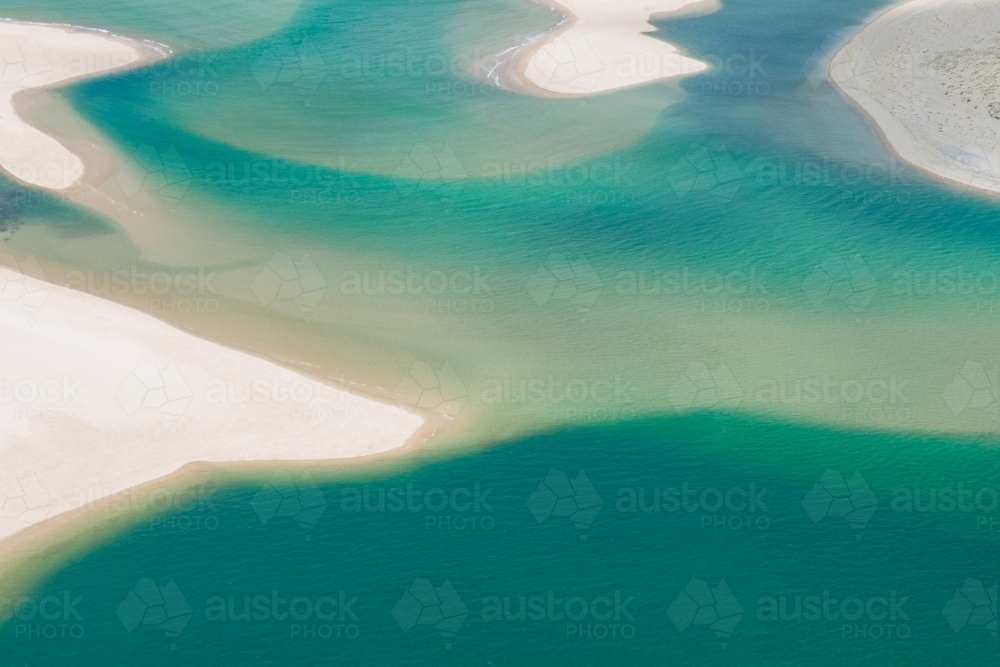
[811, 180]
[487, 541]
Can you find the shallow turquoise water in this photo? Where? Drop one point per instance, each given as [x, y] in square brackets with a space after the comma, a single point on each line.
[713, 216]
[729, 196]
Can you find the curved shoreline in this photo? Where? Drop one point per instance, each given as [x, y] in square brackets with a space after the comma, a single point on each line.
[81, 430]
[924, 99]
[596, 48]
[99, 402]
[37, 56]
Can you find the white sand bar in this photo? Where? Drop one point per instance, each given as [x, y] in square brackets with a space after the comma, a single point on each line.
[97, 398]
[601, 47]
[928, 74]
[34, 56]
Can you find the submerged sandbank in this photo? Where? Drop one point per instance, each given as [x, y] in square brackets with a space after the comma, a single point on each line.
[97, 398]
[602, 46]
[925, 73]
[37, 56]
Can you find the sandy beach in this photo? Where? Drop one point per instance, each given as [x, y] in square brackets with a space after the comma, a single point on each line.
[925, 72]
[39, 56]
[97, 398]
[601, 47]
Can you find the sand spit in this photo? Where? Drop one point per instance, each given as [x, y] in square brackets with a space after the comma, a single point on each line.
[927, 73]
[41, 55]
[603, 46]
[97, 398]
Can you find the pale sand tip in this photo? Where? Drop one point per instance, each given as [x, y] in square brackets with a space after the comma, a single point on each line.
[602, 47]
[97, 398]
[39, 55]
